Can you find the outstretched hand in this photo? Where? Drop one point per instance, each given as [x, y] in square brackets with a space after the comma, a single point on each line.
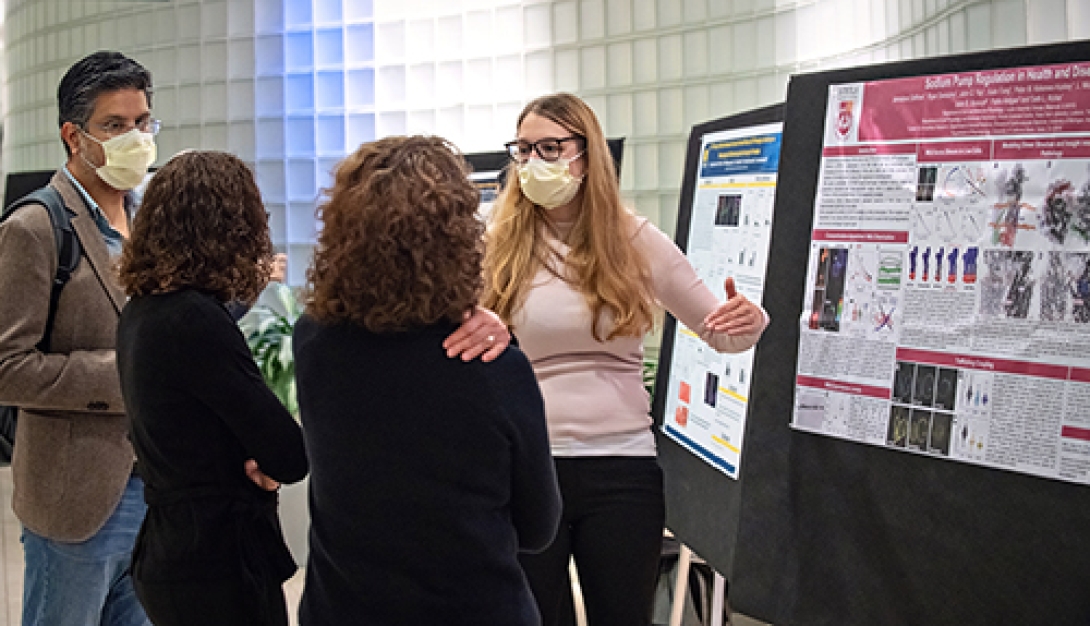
[482, 334]
[260, 479]
[736, 316]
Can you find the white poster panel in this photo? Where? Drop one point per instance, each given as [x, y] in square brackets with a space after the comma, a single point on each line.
[947, 310]
[729, 235]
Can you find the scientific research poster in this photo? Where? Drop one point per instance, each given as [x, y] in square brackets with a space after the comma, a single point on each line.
[729, 234]
[947, 310]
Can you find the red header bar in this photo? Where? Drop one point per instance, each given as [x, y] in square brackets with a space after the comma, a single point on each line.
[1070, 432]
[954, 151]
[861, 236]
[1080, 375]
[871, 150]
[843, 387]
[1036, 149]
[988, 364]
[1029, 100]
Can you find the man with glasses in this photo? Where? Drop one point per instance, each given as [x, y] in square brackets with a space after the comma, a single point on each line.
[77, 493]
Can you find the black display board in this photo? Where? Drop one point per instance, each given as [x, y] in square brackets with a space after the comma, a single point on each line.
[702, 504]
[824, 531]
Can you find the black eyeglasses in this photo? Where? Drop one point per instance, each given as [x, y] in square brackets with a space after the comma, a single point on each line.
[548, 149]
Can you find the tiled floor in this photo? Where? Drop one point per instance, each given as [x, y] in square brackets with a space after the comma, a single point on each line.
[11, 572]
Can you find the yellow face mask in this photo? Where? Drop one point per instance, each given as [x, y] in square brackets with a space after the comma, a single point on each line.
[128, 158]
[549, 185]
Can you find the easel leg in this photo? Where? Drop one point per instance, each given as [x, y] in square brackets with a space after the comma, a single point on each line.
[718, 587]
[681, 586]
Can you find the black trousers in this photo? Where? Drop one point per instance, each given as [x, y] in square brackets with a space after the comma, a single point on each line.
[212, 603]
[614, 512]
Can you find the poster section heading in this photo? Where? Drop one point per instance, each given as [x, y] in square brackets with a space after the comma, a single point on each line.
[730, 229]
[758, 154]
[1047, 100]
[947, 305]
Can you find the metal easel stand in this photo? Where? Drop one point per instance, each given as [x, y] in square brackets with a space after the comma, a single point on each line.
[681, 591]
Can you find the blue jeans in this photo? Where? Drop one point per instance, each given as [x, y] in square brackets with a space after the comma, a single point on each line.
[88, 583]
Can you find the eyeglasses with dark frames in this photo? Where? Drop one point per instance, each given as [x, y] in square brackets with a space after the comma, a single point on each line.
[548, 149]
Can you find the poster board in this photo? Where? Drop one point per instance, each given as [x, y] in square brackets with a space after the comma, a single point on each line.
[704, 480]
[836, 531]
[729, 227]
[729, 213]
[951, 259]
[487, 172]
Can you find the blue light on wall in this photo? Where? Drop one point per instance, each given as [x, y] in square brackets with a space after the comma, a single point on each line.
[314, 101]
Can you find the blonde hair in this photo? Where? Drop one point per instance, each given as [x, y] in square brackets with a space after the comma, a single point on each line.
[602, 262]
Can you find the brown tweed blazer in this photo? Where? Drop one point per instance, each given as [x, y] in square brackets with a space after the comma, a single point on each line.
[72, 452]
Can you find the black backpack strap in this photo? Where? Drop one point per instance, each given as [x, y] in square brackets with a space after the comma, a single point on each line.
[68, 248]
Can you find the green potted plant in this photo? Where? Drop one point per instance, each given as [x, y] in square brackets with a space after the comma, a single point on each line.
[650, 370]
[268, 327]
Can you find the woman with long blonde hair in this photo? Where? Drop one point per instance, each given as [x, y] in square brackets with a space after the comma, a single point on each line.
[579, 278]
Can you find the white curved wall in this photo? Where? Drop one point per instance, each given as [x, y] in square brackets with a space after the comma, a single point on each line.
[292, 85]
[654, 69]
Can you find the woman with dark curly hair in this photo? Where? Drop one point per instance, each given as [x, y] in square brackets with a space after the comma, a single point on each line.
[428, 474]
[212, 441]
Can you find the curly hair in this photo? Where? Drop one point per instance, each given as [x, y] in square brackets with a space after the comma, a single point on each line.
[401, 243]
[201, 225]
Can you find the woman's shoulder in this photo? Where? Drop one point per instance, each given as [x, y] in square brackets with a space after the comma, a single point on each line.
[641, 229]
[647, 236]
[180, 305]
[185, 318]
[510, 372]
[513, 359]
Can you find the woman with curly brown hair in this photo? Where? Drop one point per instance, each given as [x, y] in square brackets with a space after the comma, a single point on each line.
[428, 474]
[211, 438]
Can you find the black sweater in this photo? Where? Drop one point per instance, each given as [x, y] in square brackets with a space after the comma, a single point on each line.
[199, 409]
[428, 475]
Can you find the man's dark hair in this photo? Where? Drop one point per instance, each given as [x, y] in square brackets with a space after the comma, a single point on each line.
[93, 75]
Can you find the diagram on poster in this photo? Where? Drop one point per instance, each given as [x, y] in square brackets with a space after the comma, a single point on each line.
[729, 235]
[947, 310]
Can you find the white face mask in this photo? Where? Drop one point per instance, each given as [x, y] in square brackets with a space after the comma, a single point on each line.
[549, 185]
[128, 158]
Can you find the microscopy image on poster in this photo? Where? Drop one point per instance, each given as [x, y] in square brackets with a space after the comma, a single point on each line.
[898, 426]
[948, 283]
[729, 235]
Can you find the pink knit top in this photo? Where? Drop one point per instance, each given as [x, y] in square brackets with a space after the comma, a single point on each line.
[595, 402]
